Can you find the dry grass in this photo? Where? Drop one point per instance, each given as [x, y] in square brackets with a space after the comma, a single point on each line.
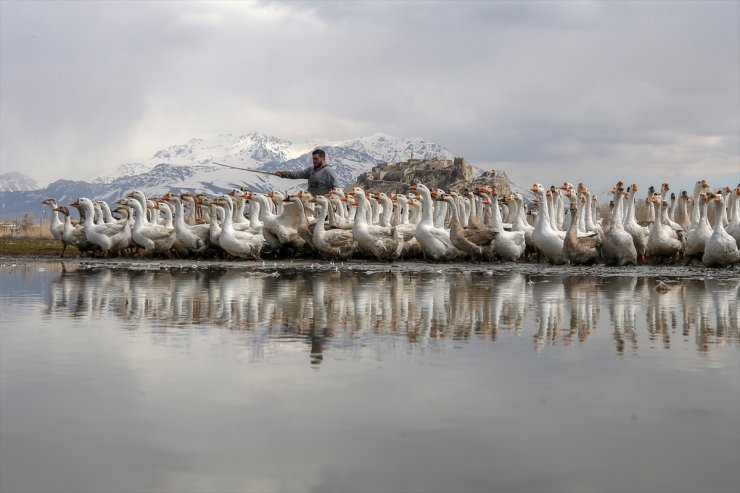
[33, 246]
[17, 230]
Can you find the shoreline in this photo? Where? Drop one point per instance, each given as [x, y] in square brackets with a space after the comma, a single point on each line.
[689, 272]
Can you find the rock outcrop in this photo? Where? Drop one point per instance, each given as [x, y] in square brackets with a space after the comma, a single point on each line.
[446, 174]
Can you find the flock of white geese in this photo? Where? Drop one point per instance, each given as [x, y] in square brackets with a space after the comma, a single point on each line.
[434, 225]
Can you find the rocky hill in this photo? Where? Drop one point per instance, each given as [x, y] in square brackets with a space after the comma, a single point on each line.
[446, 174]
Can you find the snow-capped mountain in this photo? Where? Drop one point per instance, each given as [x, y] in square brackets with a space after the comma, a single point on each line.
[190, 167]
[259, 151]
[17, 182]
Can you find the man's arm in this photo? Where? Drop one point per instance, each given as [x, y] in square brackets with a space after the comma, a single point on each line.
[297, 175]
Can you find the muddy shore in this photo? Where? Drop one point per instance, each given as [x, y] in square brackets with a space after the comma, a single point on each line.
[694, 271]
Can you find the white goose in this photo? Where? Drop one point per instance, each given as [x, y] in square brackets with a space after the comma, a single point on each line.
[337, 211]
[102, 235]
[721, 249]
[509, 245]
[279, 230]
[617, 247]
[336, 244]
[435, 242]
[214, 227]
[406, 227]
[697, 237]
[304, 227]
[478, 243]
[384, 243]
[56, 226]
[190, 239]
[237, 243]
[662, 245]
[547, 240]
[520, 223]
[580, 250]
[639, 233]
[153, 238]
[73, 234]
[733, 228]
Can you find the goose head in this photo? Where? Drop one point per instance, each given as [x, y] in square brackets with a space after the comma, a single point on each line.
[276, 196]
[171, 198]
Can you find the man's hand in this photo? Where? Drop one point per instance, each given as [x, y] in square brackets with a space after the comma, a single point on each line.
[279, 173]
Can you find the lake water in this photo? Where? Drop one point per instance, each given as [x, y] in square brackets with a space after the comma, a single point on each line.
[361, 377]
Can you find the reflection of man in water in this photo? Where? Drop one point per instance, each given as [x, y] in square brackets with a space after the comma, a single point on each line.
[317, 337]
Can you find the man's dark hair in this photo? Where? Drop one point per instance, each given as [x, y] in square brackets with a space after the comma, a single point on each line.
[320, 152]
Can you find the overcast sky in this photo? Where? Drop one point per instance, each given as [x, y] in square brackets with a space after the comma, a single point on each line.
[545, 91]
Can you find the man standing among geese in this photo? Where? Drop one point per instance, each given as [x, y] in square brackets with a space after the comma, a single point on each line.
[321, 178]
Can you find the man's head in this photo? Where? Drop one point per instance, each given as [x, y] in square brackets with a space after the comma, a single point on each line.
[319, 156]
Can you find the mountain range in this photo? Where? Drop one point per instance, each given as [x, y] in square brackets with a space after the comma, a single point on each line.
[17, 182]
[190, 167]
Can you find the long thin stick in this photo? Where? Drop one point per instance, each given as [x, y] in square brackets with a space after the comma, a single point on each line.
[244, 169]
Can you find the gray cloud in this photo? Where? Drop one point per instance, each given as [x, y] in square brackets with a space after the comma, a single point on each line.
[592, 91]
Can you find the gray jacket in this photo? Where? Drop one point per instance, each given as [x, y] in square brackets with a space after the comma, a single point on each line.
[320, 181]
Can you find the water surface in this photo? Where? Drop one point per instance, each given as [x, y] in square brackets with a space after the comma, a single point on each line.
[166, 377]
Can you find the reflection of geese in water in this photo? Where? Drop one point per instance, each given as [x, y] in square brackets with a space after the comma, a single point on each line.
[661, 311]
[550, 296]
[620, 293]
[582, 295]
[379, 311]
[697, 308]
[727, 314]
[61, 290]
[508, 302]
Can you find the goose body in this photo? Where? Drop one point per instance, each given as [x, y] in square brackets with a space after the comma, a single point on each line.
[73, 234]
[509, 245]
[435, 242]
[662, 245]
[280, 230]
[240, 244]
[697, 237]
[190, 239]
[478, 244]
[639, 233]
[153, 238]
[56, 225]
[580, 250]
[617, 247]
[720, 249]
[383, 243]
[103, 235]
[733, 227]
[548, 241]
[520, 224]
[336, 244]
